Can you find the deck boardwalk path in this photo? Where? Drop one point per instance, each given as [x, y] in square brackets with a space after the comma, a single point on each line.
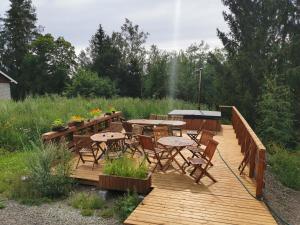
[176, 199]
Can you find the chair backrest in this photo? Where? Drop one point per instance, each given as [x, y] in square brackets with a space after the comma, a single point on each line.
[137, 129]
[201, 127]
[206, 136]
[210, 149]
[179, 118]
[146, 142]
[127, 127]
[116, 127]
[160, 131]
[162, 117]
[152, 116]
[82, 141]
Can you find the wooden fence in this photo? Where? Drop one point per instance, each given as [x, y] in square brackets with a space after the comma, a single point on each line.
[92, 126]
[253, 149]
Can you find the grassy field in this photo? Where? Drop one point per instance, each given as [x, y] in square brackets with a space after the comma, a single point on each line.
[24, 122]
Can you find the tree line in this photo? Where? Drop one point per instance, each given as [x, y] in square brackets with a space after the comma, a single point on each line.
[258, 70]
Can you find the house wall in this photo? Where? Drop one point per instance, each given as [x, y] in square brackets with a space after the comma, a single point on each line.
[5, 91]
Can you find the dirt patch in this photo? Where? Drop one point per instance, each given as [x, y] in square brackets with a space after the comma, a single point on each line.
[285, 201]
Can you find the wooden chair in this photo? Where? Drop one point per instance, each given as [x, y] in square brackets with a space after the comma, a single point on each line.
[174, 128]
[152, 116]
[193, 134]
[87, 150]
[162, 117]
[202, 164]
[151, 152]
[115, 127]
[131, 141]
[160, 131]
[201, 144]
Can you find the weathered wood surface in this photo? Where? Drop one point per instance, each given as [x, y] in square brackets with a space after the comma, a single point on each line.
[176, 199]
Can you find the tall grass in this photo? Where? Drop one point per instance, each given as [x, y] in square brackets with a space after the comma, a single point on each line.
[24, 121]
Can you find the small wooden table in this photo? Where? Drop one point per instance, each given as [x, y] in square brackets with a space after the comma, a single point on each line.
[177, 144]
[113, 141]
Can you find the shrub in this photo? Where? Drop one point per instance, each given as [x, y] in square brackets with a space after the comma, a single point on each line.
[106, 213]
[46, 177]
[87, 212]
[126, 204]
[2, 205]
[286, 166]
[126, 167]
[86, 201]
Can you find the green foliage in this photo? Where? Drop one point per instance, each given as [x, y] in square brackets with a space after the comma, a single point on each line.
[23, 122]
[126, 167]
[89, 84]
[126, 204]
[2, 205]
[57, 123]
[106, 213]
[285, 165]
[87, 203]
[275, 123]
[47, 175]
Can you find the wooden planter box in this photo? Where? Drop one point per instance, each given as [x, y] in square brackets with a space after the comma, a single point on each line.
[109, 182]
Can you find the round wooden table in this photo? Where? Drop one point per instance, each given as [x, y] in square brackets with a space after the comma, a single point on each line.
[113, 140]
[177, 144]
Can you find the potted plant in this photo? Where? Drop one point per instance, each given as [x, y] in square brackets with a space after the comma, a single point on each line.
[58, 125]
[76, 121]
[125, 174]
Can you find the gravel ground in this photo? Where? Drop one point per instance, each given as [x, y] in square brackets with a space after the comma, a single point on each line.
[58, 213]
[285, 201]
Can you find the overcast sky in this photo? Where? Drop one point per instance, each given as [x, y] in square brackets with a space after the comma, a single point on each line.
[172, 24]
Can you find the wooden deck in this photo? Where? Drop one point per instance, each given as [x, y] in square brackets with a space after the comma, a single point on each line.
[176, 199]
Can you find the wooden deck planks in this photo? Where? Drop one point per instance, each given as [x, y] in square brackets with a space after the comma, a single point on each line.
[176, 199]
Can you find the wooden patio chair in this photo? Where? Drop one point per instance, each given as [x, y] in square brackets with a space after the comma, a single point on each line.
[86, 149]
[152, 116]
[193, 134]
[151, 152]
[115, 127]
[131, 141]
[159, 132]
[198, 149]
[202, 164]
[175, 128]
[162, 117]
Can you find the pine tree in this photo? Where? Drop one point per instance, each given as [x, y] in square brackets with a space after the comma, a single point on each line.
[19, 30]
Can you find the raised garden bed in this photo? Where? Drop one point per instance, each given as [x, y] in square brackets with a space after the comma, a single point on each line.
[117, 183]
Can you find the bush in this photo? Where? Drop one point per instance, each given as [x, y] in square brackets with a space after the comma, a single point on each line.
[126, 204]
[126, 167]
[286, 166]
[2, 205]
[86, 201]
[106, 213]
[89, 84]
[47, 175]
[87, 212]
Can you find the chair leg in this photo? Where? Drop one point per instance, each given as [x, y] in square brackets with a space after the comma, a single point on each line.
[78, 162]
[194, 170]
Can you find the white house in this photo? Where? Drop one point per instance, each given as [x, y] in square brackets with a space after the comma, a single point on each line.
[5, 82]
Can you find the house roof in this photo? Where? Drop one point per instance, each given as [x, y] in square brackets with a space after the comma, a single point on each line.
[8, 77]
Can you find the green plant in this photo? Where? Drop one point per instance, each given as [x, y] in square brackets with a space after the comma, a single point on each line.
[285, 165]
[86, 212]
[2, 205]
[106, 213]
[58, 123]
[126, 204]
[126, 167]
[86, 201]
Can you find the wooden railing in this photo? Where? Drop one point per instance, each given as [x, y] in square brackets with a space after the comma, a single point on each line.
[92, 126]
[253, 149]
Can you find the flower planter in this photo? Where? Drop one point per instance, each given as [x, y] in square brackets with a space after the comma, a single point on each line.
[76, 124]
[110, 182]
[59, 128]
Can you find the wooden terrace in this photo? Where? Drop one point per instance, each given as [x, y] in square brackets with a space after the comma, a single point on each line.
[176, 199]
